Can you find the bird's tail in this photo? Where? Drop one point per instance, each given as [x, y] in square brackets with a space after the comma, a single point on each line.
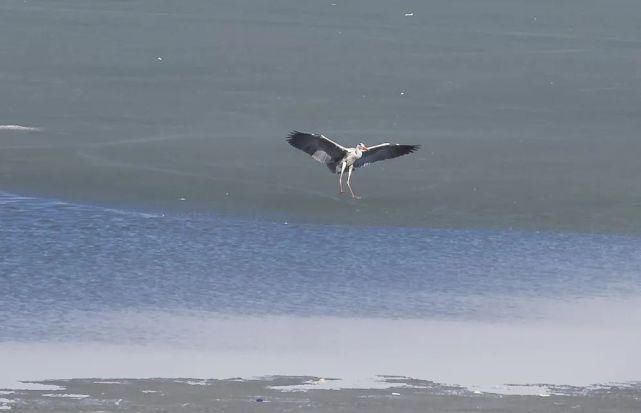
[333, 167]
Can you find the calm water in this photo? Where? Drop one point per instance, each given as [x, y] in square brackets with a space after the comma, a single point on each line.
[59, 259]
[526, 110]
[194, 295]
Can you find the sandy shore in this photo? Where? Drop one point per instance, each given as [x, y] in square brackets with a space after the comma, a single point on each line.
[275, 394]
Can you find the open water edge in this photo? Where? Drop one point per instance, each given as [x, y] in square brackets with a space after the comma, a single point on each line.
[88, 291]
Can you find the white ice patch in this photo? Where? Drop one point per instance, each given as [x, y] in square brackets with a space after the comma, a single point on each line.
[5, 404]
[20, 128]
[369, 383]
[9, 383]
[409, 14]
[513, 389]
[149, 391]
[193, 382]
[66, 396]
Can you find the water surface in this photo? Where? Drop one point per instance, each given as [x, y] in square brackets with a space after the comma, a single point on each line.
[210, 296]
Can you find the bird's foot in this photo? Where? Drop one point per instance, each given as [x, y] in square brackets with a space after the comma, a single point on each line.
[341, 192]
[357, 197]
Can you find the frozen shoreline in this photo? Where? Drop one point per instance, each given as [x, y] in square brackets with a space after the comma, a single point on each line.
[475, 355]
[266, 394]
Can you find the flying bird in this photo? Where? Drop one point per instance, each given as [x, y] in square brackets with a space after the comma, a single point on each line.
[339, 158]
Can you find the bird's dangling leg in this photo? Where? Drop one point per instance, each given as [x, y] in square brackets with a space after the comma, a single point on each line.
[340, 179]
[349, 182]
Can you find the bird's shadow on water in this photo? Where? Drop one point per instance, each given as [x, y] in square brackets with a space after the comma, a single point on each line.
[388, 196]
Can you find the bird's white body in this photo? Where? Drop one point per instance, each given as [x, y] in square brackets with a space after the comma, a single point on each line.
[353, 154]
[349, 157]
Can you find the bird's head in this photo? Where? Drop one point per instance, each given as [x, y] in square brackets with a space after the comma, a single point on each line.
[361, 146]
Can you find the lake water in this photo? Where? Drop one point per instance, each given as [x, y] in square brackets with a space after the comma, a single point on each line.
[527, 113]
[76, 275]
[526, 110]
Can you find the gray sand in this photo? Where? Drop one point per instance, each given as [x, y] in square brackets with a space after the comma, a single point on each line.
[265, 395]
[527, 111]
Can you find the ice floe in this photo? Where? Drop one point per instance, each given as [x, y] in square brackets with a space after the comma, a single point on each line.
[66, 396]
[20, 128]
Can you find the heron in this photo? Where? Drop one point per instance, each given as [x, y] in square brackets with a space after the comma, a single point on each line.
[339, 159]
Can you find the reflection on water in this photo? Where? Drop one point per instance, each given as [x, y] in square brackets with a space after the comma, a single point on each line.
[59, 258]
[206, 296]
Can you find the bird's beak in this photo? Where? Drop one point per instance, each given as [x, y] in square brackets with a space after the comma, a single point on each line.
[365, 148]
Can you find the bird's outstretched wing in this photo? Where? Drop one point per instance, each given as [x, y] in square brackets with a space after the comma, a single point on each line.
[384, 151]
[319, 147]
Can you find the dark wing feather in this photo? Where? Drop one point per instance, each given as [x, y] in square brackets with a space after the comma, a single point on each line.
[384, 151]
[318, 147]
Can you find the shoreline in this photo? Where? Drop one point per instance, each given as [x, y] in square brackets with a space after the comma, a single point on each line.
[471, 354]
[181, 208]
[274, 394]
[178, 207]
[495, 184]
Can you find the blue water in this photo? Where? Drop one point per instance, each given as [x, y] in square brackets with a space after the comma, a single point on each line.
[60, 258]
